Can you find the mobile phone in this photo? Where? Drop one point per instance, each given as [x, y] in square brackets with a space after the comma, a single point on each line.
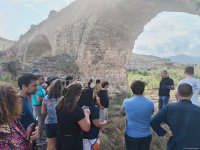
[85, 107]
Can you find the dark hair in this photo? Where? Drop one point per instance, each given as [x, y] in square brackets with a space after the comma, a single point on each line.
[185, 90]
[189, 70]
[26, 79]
[50, 79]
[68, 103]
[69, 78]
[86, 97]
[9, 104]
[137, 87]
[104, 84]
[90, 82]
[98, 81]
[56, 89]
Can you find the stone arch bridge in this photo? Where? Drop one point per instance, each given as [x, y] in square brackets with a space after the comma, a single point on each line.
[91, 38]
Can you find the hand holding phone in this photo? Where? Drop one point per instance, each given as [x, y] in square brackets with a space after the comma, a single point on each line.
[30, 130]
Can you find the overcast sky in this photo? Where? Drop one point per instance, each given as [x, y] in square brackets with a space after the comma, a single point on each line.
[16, 16]
[170, 34]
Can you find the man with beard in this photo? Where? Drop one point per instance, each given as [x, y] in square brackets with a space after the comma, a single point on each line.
[28, 86]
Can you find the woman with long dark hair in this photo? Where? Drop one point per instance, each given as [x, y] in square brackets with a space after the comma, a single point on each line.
[72, 120]
[49, 108]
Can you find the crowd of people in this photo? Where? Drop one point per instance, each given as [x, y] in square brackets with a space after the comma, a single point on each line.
[72, 114]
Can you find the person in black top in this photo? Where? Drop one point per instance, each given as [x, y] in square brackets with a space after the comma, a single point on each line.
[90, 138]
[183, 120]
[104, 100]
[71, 119]
[166, 84]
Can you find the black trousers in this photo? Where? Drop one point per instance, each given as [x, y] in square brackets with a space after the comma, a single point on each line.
[138, 143]
[74, 142]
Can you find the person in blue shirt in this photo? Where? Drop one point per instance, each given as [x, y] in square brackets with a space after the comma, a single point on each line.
[37, 99]
[138, 110]
[49, 109]
[28, 86]
[183, 120]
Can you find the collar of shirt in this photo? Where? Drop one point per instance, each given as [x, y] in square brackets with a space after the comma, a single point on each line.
[186, 101]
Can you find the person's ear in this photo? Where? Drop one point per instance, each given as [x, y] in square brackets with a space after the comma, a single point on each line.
[191, 95]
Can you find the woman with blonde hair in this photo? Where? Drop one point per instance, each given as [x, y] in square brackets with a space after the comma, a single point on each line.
[72, 120]
[12, 134]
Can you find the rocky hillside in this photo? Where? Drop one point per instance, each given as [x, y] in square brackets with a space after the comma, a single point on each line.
[149, 62]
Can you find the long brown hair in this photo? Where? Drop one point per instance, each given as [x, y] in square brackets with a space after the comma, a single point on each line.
[68, 103]
[9, 104]
[56, 89]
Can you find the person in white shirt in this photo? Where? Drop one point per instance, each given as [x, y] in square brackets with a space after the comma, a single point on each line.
[190, 79]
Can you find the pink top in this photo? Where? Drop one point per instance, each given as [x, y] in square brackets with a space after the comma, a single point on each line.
[15, 140]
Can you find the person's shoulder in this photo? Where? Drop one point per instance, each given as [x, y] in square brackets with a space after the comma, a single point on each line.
[184, 80]
[171, 79]
[127, 100]
[46, 97]
[195, 107]
[172, 105]
[149, 101]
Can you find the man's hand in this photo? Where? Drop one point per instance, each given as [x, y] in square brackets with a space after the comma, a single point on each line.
[168, 135]
[171, 87]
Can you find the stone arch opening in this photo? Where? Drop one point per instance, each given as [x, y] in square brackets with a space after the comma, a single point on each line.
[38, 47]
[168, 34]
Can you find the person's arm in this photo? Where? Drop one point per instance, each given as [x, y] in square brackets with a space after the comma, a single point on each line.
[156, 121]
[85, 122]
[98, 101]
[43, 109]
[172, 85]
[123, 113]
[40, 95]
[97, 123]
[39, 98]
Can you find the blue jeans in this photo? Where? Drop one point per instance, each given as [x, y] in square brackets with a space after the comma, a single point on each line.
[162, 101]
